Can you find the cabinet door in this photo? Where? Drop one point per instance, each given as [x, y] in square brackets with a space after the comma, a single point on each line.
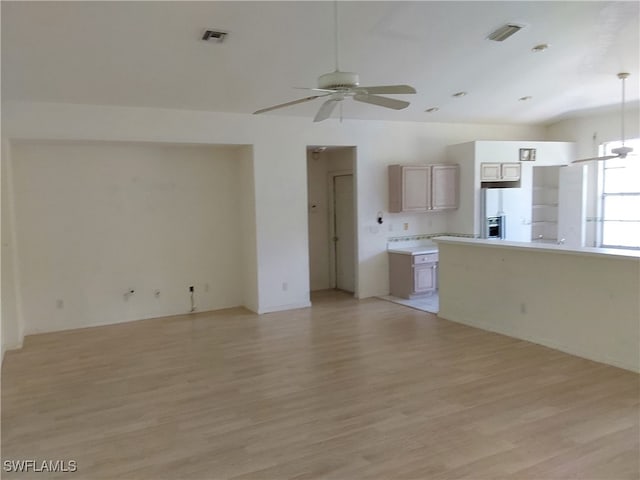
[510, 172]
[424, 277]
[400, 275]
[444, 187]
[416, 188]
[490, 172]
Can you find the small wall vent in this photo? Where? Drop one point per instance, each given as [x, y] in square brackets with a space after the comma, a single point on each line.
[214, 36]
[504, 32]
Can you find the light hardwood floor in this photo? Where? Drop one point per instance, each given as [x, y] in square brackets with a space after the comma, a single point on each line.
[345, 390]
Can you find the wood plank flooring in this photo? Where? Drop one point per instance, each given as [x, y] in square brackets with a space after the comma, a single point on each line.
[345, 390]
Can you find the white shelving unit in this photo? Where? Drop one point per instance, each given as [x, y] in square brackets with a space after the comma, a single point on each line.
[544, 205]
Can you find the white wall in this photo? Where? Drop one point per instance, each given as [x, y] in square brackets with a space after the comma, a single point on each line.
[94, 220]
[585, 305]
[279, 167]
[589, 132]
[464, 220]
[249, 260]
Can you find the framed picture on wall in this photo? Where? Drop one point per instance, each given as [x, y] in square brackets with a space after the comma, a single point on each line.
[527, 154]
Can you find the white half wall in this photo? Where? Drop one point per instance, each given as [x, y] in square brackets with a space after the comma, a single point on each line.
[585, 305]
[95, 220]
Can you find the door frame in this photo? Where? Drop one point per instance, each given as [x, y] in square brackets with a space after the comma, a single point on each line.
[332, 227]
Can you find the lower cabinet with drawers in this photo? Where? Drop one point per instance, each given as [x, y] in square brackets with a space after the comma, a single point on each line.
[413, 275]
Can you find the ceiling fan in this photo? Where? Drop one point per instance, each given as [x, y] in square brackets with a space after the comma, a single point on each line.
[622, 151]
[338, 85]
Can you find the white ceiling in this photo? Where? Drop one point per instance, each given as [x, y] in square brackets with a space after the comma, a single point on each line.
[150, 54]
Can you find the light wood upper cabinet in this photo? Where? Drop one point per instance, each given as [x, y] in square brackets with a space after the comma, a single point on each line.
[422, 188]
[490, 172]
[415, 189]
[510, 172]
[444, 187]
[499, 172]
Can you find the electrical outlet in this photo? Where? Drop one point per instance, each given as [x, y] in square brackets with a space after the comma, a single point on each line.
[191, 288]
[406, 226]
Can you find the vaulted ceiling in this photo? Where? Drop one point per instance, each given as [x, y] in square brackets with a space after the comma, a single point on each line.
[151, 54]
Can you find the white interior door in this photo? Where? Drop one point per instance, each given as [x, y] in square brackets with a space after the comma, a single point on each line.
[344, 240]
[572, 190]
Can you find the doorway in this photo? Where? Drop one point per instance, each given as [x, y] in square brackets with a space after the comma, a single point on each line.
[332, 218]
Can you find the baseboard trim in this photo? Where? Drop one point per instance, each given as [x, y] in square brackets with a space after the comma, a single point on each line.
[282, 308]
[7, 348]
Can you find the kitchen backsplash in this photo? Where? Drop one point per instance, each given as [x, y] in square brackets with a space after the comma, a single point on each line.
[422, 239]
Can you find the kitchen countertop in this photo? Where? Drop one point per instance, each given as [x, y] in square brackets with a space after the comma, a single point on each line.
[544, 247]
[414, 250]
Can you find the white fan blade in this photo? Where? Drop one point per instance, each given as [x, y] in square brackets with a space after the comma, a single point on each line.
[608, 157]
[386, 89]
[381, 101]
[295, 102]
[326, 109]
[316, 89]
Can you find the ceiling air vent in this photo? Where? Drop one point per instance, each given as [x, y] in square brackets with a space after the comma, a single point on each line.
[214, 36]
[504, 32]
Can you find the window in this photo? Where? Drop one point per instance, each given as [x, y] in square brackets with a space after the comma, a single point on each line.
[620, 198]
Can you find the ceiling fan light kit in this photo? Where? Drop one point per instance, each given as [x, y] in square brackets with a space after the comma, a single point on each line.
[622, 151]
[336, 80]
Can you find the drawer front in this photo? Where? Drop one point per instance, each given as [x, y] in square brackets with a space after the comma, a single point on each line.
[426, 258]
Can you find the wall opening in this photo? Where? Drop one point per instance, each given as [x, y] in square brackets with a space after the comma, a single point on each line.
[331, 191]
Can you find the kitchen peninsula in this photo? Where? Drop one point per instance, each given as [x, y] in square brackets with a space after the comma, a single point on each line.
[583, 301]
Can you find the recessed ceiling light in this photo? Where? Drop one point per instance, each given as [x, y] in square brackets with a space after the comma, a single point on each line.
[459, 94]
[524, 99]
[540, 48]
[432, 109]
